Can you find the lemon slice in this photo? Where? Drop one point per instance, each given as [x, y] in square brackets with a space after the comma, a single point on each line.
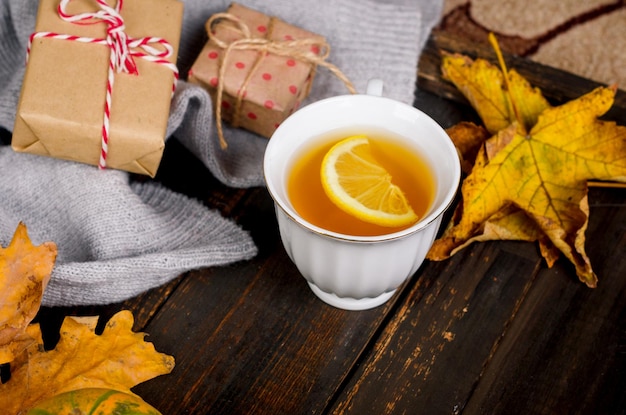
[355, 182]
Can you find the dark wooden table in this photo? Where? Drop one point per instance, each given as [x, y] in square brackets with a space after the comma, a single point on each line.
[492, 330]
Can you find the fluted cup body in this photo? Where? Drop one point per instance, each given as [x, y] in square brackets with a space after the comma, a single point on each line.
[359, 272]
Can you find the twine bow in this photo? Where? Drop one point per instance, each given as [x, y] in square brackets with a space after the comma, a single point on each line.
[123, 50]
[313, 51]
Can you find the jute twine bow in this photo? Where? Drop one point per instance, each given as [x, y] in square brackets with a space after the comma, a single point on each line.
[123, 51]
[300, 49]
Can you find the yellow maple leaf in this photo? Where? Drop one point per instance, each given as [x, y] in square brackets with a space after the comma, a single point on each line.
[531, 177]
[117, 359]
[24, 274]
[497, 99]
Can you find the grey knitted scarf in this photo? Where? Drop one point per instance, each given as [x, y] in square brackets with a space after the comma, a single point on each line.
[118, 237]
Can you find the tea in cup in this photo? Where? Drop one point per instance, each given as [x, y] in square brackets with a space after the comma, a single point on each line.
[356, 260]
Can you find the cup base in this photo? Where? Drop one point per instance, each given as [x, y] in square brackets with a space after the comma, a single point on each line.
[348, 303]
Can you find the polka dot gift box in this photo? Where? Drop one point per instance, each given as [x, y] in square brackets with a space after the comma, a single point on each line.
[257, 68]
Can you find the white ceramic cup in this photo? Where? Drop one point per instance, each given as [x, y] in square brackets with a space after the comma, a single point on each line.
[359, 272]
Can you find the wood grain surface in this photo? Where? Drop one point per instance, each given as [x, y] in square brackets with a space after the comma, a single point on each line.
[492, 330]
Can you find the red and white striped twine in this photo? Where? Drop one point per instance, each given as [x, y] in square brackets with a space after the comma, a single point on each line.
[123, 51]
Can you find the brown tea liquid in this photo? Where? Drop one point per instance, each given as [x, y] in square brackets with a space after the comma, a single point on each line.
[408, 171]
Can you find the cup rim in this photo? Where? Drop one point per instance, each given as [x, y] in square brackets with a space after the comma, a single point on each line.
[447, 198]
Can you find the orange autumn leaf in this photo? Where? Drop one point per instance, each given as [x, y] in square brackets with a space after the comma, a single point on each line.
[117, 359]
[24, 273]
[529, 181]
[468, 138]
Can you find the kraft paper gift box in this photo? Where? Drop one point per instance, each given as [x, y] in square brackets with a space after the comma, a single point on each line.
[62, 103]
[270, 86]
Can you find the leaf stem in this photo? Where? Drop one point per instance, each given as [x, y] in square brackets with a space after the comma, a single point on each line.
[505, 72]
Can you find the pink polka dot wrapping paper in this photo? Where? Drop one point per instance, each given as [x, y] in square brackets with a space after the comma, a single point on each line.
[273, 85]
[70, 95]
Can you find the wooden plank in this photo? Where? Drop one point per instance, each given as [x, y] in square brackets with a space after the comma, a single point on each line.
[565, 350]
[495, 331]
[433, 351]
[251, 337]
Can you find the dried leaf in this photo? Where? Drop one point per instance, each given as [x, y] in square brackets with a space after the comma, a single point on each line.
[468, 138]
[24, 273]
[497, 100]
[117, 359]
[529, 180]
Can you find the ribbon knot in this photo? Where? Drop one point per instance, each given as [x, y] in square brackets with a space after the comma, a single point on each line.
[117, 39]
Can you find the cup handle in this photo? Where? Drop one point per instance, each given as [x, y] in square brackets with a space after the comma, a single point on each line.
[375, 87]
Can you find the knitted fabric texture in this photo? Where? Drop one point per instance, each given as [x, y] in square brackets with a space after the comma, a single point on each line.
[118, 237]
